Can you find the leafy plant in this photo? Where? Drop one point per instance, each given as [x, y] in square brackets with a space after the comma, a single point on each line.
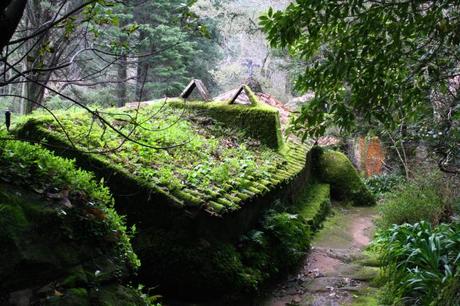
[421, 263]
[381, 184]
[278, 245]
[291, 233]
[36, 168]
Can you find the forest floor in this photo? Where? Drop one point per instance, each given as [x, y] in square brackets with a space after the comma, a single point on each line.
[337, 270]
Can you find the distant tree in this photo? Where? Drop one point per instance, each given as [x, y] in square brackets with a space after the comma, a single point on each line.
[51, 49]
[392, 64]
[181, 47]
[47, 38]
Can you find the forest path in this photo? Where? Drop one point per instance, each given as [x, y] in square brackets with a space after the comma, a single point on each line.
[335, 271]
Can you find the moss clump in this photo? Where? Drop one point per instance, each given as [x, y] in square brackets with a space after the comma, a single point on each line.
[335, 168]
[366, 300]
[57, 225]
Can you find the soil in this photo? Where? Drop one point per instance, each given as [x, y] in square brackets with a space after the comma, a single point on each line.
[332, 273]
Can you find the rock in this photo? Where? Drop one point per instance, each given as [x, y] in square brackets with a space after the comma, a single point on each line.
[297, 300]
[21, 298]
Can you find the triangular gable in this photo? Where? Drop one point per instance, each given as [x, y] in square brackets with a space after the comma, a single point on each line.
[199, 85]
[253, 100]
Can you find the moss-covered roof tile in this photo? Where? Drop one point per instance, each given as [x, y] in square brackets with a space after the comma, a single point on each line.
[205, 163]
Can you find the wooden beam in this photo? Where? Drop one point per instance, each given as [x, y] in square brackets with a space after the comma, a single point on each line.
[237, 94]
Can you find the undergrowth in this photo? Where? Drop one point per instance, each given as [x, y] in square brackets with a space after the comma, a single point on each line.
[39, 170]
[419, 254]
[421, 264]
[422, 198]
[58, 228]
[379, 185]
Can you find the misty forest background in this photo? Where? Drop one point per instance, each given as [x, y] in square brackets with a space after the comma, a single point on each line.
[141, 50]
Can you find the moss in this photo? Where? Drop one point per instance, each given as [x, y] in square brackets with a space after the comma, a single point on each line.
[314, 204]
[364, 273]
[77, 277]
[366, 300]
[335, 168]
[180, 177]
[369, 259]
[116, 295]
[190, 266]
[57, 225]
[258, 120]
[335, 231]
[283, 238]
[276, 247]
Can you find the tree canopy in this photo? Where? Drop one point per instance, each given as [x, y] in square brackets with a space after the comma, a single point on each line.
[391, 63]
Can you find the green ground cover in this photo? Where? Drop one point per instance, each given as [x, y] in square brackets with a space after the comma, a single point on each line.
[194, 159]
[59, 232]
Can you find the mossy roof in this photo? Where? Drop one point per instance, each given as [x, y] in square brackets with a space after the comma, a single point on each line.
[194, 160]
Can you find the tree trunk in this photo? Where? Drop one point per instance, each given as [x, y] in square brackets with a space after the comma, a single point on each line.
[37, 58]
[11, 12]
[142, 70]
[122, 69]
[121, 84]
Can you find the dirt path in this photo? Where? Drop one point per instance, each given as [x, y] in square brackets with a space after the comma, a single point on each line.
[334, 271]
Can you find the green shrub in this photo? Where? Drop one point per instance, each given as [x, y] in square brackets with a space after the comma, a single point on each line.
[290, 237]
[381, 184]
[421, 264]
[277, 246]
[419, 199]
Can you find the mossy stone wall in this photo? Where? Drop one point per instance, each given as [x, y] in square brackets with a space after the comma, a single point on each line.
[258, 120]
